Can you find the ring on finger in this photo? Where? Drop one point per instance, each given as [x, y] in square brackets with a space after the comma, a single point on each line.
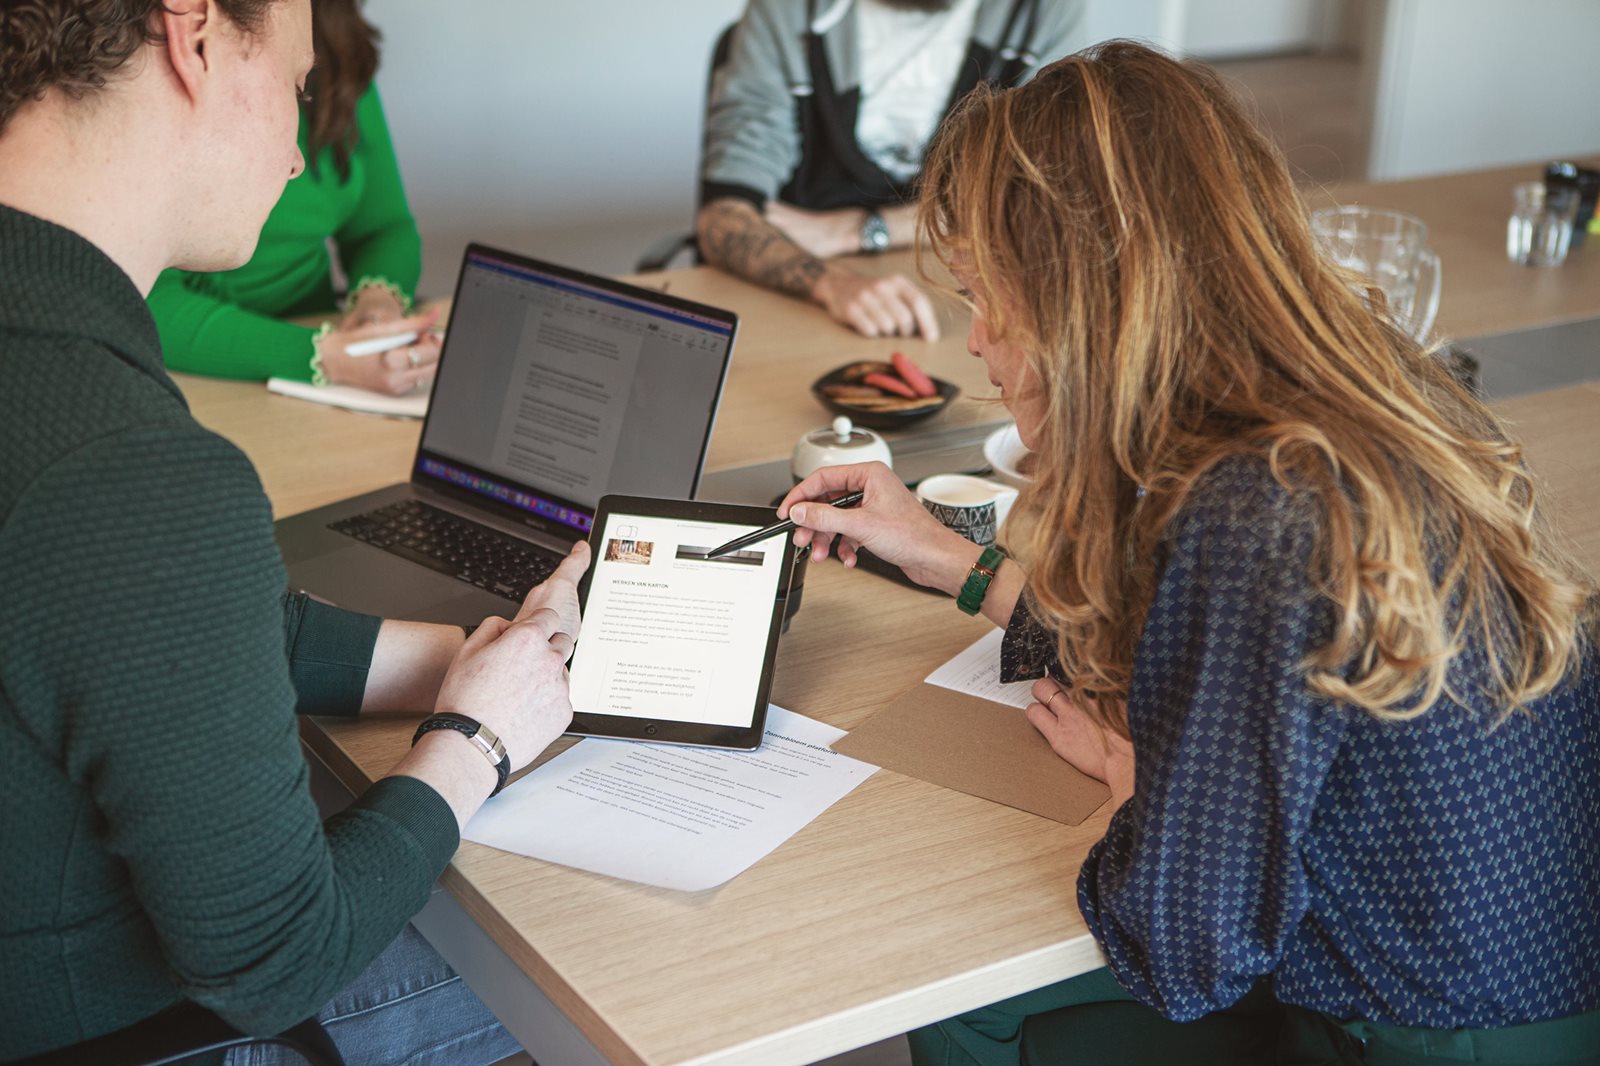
[413, 358]
[1049, 703]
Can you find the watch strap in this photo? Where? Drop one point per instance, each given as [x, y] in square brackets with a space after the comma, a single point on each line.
[970, 599]
[480, 735]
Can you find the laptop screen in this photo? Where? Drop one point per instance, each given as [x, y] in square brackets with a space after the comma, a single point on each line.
[556, 388]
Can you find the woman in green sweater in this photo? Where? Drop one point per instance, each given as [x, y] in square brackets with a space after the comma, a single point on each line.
[161, 842]
[236, 323]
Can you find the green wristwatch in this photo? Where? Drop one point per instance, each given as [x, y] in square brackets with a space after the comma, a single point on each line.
[972, 593]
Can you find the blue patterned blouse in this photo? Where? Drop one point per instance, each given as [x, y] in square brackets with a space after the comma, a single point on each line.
[1432, 873]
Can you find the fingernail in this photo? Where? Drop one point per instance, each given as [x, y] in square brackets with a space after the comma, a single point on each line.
[797, 513]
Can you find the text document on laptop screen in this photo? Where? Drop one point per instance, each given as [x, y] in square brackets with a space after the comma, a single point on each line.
[669, 634]
[602, 392]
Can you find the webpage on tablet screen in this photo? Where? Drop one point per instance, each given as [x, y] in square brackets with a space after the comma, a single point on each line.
[668, 634]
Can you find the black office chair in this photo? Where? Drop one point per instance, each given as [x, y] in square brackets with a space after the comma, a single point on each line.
[663, 251]
[178, 1034]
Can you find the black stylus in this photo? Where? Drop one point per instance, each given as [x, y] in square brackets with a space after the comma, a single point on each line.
[782, 527]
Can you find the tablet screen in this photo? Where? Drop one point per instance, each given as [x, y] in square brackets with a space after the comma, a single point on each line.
[669, 635]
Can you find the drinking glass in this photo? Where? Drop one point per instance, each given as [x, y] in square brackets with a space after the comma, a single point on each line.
[1539, 231]
[1391, 249]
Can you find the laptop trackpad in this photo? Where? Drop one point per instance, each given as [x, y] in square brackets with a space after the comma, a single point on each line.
[365, 579]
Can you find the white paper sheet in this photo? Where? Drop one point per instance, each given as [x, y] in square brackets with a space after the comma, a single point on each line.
[671, 816]
[976, 672]
[413, 404]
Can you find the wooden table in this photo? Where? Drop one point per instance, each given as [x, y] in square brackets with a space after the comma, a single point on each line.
[904, 903]
[782, 347]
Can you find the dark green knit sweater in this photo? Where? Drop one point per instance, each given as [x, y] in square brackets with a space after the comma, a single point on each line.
[159, 838]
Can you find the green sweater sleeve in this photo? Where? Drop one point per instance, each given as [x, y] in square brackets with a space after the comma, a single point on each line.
[380, 237]
[330, 651]
[202, 333]
[161, 664]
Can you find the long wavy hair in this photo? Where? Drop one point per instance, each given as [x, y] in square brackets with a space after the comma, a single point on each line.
[347, 60]
[1130, 228]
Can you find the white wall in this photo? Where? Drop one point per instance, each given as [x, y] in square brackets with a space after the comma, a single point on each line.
[1224, 29]
[1462, 84]
[1139, 19]
[569, 131]
[564, 130]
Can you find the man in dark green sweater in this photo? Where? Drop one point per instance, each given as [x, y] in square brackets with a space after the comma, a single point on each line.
[161, 843]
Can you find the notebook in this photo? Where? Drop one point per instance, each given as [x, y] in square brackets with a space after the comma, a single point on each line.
[413, 404]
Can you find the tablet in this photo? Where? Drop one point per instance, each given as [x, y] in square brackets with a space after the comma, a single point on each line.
[677, 648]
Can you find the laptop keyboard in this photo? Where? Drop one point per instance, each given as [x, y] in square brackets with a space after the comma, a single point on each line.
[465, 550]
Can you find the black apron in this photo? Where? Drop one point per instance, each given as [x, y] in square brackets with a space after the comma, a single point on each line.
[833, 171]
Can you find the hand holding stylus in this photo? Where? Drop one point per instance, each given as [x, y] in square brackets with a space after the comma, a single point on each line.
[774, 530]
[391, 357]
[889, 522]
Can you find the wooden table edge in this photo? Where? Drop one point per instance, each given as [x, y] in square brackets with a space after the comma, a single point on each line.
[845, 1030]
[822, 1036]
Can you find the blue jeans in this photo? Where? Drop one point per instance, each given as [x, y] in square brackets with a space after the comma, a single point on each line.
[408, 1008]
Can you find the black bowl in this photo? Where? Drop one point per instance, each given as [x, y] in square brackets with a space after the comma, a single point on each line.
[869, 418]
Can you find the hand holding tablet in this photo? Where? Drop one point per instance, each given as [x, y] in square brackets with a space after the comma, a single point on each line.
[509, 676]
[554, 601]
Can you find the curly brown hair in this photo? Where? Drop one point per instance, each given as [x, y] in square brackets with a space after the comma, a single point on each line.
[347, 60]
[78, 46]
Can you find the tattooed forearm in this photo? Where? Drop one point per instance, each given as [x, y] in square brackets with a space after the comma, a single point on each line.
[735, 237]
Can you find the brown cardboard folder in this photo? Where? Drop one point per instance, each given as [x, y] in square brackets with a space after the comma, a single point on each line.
[974, 746]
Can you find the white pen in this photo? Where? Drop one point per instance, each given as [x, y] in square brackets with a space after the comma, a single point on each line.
[380, 344]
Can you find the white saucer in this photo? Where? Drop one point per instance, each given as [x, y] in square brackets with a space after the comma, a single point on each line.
[1004, 453]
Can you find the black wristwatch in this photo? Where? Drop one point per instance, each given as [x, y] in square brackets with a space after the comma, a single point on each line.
[874, 233]
[478, 733]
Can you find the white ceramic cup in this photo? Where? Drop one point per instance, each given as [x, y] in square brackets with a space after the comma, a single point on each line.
[971, 506]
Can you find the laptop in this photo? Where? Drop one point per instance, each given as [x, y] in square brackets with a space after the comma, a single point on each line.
[554, 388]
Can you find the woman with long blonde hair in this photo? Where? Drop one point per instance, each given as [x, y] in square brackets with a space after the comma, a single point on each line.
[1287, 591]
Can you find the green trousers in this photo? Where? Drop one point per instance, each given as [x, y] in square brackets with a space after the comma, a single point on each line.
[1311, 1039]
[1090, 1019]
